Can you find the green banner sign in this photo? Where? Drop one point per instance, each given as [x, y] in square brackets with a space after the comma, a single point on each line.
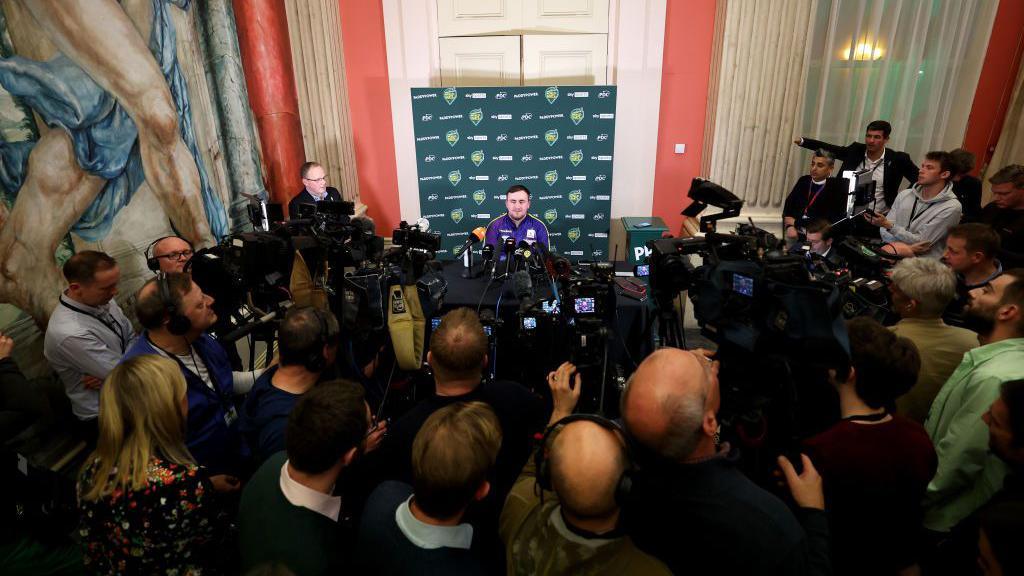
[473, 143]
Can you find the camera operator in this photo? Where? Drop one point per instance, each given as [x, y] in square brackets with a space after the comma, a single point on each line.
[874, 464]
[813, 197]
[314, 189]
[971, 251]
[168, 254]
[917, 223]
[920, 290]
[721, 522]
[176, 315]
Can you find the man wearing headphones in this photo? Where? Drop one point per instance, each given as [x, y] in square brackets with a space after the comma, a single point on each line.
[584, 460]
[307, 344]
[176, 315]
[168, 254]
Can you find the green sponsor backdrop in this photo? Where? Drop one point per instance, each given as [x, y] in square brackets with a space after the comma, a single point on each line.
[473, 143]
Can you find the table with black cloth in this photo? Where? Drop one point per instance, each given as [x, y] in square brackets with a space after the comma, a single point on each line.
[528, 360]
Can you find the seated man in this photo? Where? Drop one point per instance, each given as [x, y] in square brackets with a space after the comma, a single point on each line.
[574, 530]
[419, 529]
[87, 333]
[917, 223]
[314, 189]
[517, 223]
[1005, 213]
[176, 315]
[722, 523]
[168, 254]
[921, 288]
[814, 196]
[873, 463]
[307, 343]
[971, 251]
[968, 472]
[966, 187]
[819, 240]
[290, 514]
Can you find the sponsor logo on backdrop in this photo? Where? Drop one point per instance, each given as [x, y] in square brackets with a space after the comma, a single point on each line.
[428, 178]
[551, 176]
[479, 196]
[527, 158]
[476, 115]
[552, 197]
[576, 137]
[426, 138]
[450, 94]
[477, 157]
[454, 234]
[577, 177]
[599, 216]
[575, 217]
[429, 216]
[455, 176]
[429, 158]
[554, 234]
[422, 96]
[457, 215]
[503, 158]
[603, 116]
[452, 137]
[604, 94]
[576, 156]
[501, 95]
[556, 157]
[526, 116]
[550, 116]
[526, 95]
[551, 136]
[601, 197]
[477, 95]
[602, 137]
[479, 177]
[599, 178]
[502, 177]
[598, 235]
[574, 253]
[551, 94]
[573, 234]
[478, 137]
[431, 198]
[450, 158]
[576, 116]
[427, 117]
[456, 197]
[501, 116]
[575, 196]
[526, 137]
[501, 137]
[602, 158]
[450, 117]
[550, 215]
[525, 178]
[598, 253]
[579, 94]
[481, 216]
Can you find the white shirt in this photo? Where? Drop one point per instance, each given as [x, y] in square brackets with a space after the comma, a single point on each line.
[305, 497]
[877, 168]
[430, 536]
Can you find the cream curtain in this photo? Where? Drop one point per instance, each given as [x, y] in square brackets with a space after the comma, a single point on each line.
[314, 28]
[761, 74]
[1010, 148]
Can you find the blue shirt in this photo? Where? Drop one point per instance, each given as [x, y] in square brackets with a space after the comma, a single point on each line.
[531, 229]
[264, 416]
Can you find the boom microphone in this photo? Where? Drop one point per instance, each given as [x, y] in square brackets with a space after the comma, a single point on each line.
[475, 236]
[523, 288]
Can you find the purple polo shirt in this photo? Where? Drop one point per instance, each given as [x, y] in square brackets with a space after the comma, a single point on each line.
[531, 229]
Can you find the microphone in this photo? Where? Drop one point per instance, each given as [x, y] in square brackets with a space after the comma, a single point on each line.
[488, 252]
[475, 236]
[522, 286]
[245, 329]
[524, 251]
[508, 249]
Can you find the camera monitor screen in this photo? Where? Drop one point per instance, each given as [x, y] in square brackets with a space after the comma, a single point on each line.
[584, 305]
[529, 323]
[550, 306]
[642, 270]
[434, 323]
[743, 285]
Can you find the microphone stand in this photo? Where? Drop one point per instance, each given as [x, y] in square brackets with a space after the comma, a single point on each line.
[467, 271]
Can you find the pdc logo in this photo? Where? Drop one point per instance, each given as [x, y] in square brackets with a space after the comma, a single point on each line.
[452, 138]
[427, 117]
[455, 177]
[450, 94]
[526, 116]
[432, 197]
[429, 158]
[551, 94]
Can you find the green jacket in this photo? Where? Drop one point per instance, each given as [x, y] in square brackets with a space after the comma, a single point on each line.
[968, 472]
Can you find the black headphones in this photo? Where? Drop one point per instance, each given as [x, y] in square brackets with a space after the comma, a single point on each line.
[625, 483]
[315, 361]
[152, 262]
[177, 323]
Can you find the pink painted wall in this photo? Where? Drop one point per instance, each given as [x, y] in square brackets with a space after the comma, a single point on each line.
[366, 69]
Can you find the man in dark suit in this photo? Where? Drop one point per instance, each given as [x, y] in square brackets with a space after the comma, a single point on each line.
[888, 167]
[315, 189]
[815, 195]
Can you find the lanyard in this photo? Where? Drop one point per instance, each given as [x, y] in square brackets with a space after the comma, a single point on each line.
[914, 216]
[114, 328]
[811, 199]
[212, 387]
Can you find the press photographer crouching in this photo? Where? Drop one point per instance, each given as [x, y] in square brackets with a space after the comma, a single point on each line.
[176, 315]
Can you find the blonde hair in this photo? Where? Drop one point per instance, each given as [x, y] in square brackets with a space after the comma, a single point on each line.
[141, 418]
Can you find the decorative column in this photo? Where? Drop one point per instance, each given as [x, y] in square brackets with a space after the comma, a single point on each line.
[319, 63]
[267, 60]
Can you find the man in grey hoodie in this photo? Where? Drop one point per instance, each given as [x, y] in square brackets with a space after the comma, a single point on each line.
[922, 215]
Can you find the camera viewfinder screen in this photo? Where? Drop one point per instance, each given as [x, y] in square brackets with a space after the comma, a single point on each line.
[584, 305]
[529, 323]
[434, 323]
[642, 270]
[487, 330]
[743, 285]
[550, 307]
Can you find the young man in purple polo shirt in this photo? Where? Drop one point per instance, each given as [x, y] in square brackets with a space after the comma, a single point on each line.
[517, 223]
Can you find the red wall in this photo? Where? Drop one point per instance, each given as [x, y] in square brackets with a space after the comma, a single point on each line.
[686, 70]
[995, 85]
[366, 69]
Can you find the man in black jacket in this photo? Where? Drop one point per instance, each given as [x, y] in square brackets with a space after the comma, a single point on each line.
[314, 189]
[888, 167]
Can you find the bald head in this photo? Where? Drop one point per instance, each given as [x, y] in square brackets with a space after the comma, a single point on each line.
[172, 253]
[670, 403]
[586, 461]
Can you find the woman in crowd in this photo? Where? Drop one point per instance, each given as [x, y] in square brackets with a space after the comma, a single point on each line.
[145, 505]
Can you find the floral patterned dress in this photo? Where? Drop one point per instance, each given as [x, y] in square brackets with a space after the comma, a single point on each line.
[164, 528]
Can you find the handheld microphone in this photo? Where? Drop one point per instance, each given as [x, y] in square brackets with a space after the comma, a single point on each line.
[524, 251]
[509, 249]
[488, 252]
[475, 236]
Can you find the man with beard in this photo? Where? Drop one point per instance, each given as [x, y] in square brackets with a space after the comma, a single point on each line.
[969, 473]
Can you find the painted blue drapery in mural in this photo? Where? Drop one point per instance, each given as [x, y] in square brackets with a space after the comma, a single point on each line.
[104, 137]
